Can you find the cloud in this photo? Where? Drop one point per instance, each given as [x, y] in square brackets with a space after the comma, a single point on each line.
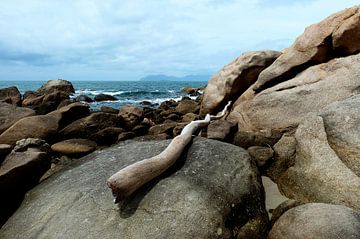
[131, 38]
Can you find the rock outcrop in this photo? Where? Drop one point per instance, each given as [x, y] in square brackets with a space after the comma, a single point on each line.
[317, 220]
[214, 191]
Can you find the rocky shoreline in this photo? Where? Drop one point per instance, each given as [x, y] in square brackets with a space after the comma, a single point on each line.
[295, 118]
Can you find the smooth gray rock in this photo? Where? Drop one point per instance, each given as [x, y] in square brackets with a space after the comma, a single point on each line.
[317, 220]
[213, 191]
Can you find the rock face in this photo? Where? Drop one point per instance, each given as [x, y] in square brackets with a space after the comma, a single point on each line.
[233, 79]
[19, 172]
[209, 193]
[57, 85]
[318, 174]
[317, 220]
[282, 107]
[10, 114]
[337, 35]
[10, 95]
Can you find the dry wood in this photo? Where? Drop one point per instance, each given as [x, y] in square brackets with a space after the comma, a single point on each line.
[129, 179]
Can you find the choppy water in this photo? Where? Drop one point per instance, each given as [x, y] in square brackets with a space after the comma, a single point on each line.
[127, 92]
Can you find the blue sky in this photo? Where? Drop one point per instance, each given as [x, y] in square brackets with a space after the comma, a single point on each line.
[128, 39]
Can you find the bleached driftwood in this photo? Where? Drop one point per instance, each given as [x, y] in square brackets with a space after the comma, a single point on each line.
[129, 179]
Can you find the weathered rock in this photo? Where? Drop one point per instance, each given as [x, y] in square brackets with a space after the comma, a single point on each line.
[178, 128]
[19, 172]
[74, 147]
[57, 85]
[162, 128]
[317, 220]
[334, 36]
[132, 115]
[168, 104]
[107, 136]
[318, 174]
[32, 99]
[108, 109]
[192, 91]
[214, 191]
[233, 79]
[140, 130]
[281, 108]
[261, 155]
[342, 125]
[24, 144]
[104, 97]
[189, 117]
[70, 113]
[10, 114]
[187, 106]
[84, 98]
[173, 117]
[282, 208]
[245, 139]
[5, 149]
[39, 126]
[10, 95]
[65, 102]
[219, 129]
[85, 127]
[125, 135]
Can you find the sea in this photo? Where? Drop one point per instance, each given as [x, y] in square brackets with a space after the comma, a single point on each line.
[126, 92]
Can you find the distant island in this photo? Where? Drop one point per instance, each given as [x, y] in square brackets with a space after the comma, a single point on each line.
[161, 77]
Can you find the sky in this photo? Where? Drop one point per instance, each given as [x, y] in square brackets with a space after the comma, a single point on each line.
[129, 39]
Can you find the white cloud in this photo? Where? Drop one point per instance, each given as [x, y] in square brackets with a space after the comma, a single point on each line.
[131, 38]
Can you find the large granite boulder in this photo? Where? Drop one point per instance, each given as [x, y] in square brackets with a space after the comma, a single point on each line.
[317, 174]
[317, 220]
[19, 172]
[10, 114]
[132, 115]
[10, 95]
[281, 108]
[337, 35]
[234, 78]
[56, 85]
[213, 191]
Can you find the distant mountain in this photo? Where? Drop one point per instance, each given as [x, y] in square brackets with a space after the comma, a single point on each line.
[175, 78]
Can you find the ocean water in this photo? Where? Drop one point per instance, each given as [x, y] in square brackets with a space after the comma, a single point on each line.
[127, 92]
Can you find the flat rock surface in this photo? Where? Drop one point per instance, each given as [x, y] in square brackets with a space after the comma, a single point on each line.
[215, 193]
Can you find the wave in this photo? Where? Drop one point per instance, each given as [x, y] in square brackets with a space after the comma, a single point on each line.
[122, 93]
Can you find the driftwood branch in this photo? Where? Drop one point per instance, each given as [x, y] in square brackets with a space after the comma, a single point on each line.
[129, 179]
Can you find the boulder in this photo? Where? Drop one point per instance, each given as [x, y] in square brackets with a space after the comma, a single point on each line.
[85, 127]
[132, 115]
[233, 79]
[108, 109]
[213, 191]
[10, 95]
[70, 113]
[335, 36]
[32, 99]
[107, 136]
[125, 135]
[162, 128]
[19, 172]
[317, 220]
[282, 208]
[74, 147]
[5, 149]
[317, 173]
[104, 97]
[56, 85]
[32, 143]
[219, 129]
[187, 106]
[189, 117]
[261, 155]
[10, 114]
[84, 98]
[281, 108]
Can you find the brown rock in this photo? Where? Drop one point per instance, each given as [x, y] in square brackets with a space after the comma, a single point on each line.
[108, 109]
[56, 85]
[233, 79]
[125, 135]
[74, 147]
[10, 114]
[162, 128]
[132, 115]
[282, 107]
[317, 220]
[282, 208]
[10, 95]
[320, 42]
[261, 155]
[104, 97]
[107, 136]
[18, 173]
[32, 99]
[219, 129]
[178, 128]
[187, 106]
[5, 149]
[189, 117]
[84, 98]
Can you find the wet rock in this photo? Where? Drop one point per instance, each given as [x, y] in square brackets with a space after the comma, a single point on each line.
[74, 147]
[10, 95]
[84, 98]
[192, 200]
[317, 220]
[104, 97]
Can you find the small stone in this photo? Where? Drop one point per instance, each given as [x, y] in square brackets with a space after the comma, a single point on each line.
[74, 147]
